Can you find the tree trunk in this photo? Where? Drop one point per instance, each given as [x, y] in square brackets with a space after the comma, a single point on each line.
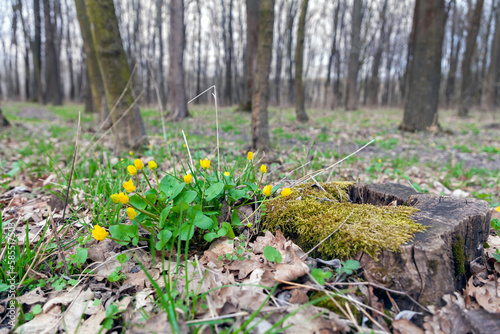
[251, 53]
[198, 67]
[17, 91]
[377, 59]
[95, 79]
[292, 11]
[53, 91]
[300, 110]
[72, 89]
[160, 75]
[126, 117]
[454, 53]
[470, 45]
[493, 78]
[3, 121]
[260, 125]
[333, 52]
[229, 56]
[177, 43]
[279, 57]
[351, 102]
[36, 50]
[424, 68]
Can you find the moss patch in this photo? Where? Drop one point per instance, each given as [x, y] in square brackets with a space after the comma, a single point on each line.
[309, 215]
[457, 248]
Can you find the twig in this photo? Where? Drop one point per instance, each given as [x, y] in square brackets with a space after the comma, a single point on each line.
[189, 152]
[72, 168]
[328, 235]
[58, 242]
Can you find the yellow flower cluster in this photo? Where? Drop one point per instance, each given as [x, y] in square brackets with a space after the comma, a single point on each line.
[188, 178]
[152, 165]
[131, 170]
[267, 190]
[99, 233]
[119, 198]
[131, 213]
[286, 192]
[138, 164]
[205, 163]
[250, 155]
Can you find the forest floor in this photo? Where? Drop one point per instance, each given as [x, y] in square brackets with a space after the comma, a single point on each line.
[462, 160]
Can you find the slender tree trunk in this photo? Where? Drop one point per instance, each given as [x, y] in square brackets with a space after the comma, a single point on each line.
[470, 45]
[351, 102]
[198, 68]
[493, 78]
[251, 52]
[37, 51]
[27, 69]
[279, 57]
[332, 55]
[53, 90]
[260, 125]
[424, 68]
[127, 121]
[69, 56]
[160, 75]
[300, 110]
[377, 59]
[95, 83]
[453, 59]
[485, 52]
[228, 48]
[177, 43]
[292, 12]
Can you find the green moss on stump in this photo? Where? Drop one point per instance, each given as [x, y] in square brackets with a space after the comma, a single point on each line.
[457, 248]
[309, 215]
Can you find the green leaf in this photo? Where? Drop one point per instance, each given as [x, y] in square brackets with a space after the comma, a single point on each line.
[28, 316]
[320, 275]
[252, 185]
[187, 231]
[138, 202]
[37, 309]
[171, 186]
[213, 191]
[96, 302]
[151, 196]
[222, 232]
[124, 232]
[114, 276]
[349, 266]
[186, 196]
[202, 221]
[111, 310]
[495, 223]
[80, 257]
[73, 282]
[497, 255]
[236, 194]
[230, 232]
[164, 215]
[210, 236]
[276, 188]
[235, 219]
[271, 254]
[165, 235]
[122, 258]
[182, 206]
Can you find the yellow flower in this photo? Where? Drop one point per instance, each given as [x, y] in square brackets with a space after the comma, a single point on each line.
[131, 153]
[250, 155]
[114, 198]
[129, 186]
[249, 225]
[131, 170]
[263, 169]
[138, 164]
[188, 178]
[498, 208]
[150, 145]
[267, 190]
[227, 174]
[99, 233]
[123, 198]
[152, 165]
[205, 163]
[131, 213]
[286, 192]
[379, 160]
[184, 145]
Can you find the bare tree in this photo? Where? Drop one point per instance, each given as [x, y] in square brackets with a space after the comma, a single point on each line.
[377, 59]
[36, 50]
[160, 76]
[493, 78]
[454, 54]
[351, 102]
[251, 52]
[292, 12]
[300, 110]
[125, 114]
[260, 125]
[333, 53]
[470, 45]
[177, 43]
[53, 91]
[424, 67]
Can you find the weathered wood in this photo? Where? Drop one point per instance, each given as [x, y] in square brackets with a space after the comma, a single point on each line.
[437, 261]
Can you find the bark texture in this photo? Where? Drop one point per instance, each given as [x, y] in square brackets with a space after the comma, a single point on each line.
[377, 59]
[436, 262]
[260, 124]
[424, 66]
[177, 43]
[250, 52]
[125, 114]
[53, 90]
[300, 109]
[351, 102]
[470, 45]
[95, 82]
[493, 78]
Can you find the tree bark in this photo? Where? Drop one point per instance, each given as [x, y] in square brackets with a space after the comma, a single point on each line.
[453, 59]
[95, 80]
[53, 91]
[292, 12]
[424, 67]
[300, 110]
[351, 102]
[260, 125]
[333, 52]
[198, 67]
[377, 59]
[160, 76]
[126, 117]
[229, 56]
[36, 50]
[493, 78]
[279, 57]
[251, 52]
[177, 43]
[470, 45]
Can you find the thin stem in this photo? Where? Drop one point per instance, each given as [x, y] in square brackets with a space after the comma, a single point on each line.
[147, 179]
[145, 200]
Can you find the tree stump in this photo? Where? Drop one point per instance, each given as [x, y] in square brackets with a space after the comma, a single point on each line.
[3, 121]
[437, 261]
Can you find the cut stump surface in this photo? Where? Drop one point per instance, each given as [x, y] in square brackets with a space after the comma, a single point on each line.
[436, 262]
